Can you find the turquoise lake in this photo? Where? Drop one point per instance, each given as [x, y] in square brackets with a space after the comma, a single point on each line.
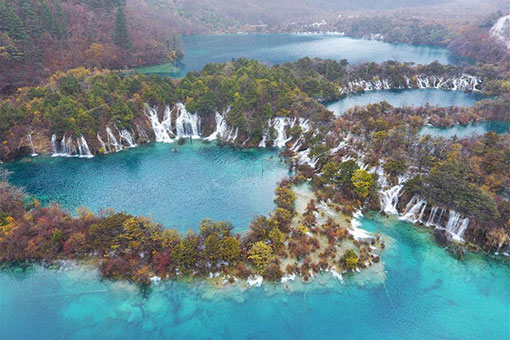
[408, 97]
[418, 291]
[462, 131]
[178, 189]
[421, 292]
[281, 48]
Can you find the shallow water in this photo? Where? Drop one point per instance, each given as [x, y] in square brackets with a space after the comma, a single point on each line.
[408, 97]
[177, 189]
[423, 294]
[463, 131]
[281, 48]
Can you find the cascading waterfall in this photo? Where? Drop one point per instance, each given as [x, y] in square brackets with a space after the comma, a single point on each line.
[280, 124]
[103, 145]
[162, 130]
[414, 209]
[54, 145]
[464, 82]
[456, 225]
[221, 130]
[127, 137]
[142, 133]
[34, 154]
[84, 148]
[389, 199]
[112, 140]
[187, 124]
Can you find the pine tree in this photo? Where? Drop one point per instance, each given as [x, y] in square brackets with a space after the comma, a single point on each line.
[11, 23]
[121, 34]
[31, 19]
[49, 22]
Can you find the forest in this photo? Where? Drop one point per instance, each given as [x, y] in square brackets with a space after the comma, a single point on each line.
[137, 249]
[38, 38]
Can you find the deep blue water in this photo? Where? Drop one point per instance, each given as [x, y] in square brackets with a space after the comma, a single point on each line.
[462, 131]
[281, 48]
[421, 292]
[408, 97]
[177, 189]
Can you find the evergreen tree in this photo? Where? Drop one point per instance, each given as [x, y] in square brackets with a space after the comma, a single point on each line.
[31, 19]
[11, 23]
[121, 34]
[49, 22]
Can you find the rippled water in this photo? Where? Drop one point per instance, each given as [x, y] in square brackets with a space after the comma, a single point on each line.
[408, 97]
[281, 48]
[177, 189]
[420, 293]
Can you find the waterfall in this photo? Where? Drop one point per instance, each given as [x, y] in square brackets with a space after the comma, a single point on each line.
[163, 129]
[112, 140]
[142, 133]
[34, 154]
[127, 137]
[54, 145]
[305, 125]
[84, 148]
[389, 200]
[279, 124]
[221, 128]
[413, 208]
[103, 146]
[187, 124]
[456, 225]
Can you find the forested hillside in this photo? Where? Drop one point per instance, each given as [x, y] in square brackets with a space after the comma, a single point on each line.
[38, 38]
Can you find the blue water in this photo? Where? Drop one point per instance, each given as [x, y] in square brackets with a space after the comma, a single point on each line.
[420, 293]
[281, 48]
[409, 97]
[177, 189]
[463, 131]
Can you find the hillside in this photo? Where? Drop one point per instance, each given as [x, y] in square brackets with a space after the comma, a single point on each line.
[38, 38]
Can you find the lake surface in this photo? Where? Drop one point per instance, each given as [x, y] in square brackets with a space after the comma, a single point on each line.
[420, 293]
[177, 189]
[463, 131]
[408, 97]
[281, 48]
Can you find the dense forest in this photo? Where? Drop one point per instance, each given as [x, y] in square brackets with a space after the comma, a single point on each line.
[249, 95]
[135, 248]
[38, 38]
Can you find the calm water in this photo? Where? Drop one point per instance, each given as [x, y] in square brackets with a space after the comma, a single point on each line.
[282, 48]
[421, 293]
[178, 189]
[408, 97]
[462, 131]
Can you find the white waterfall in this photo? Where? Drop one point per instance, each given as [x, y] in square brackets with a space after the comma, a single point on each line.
[142, 133]
[464, 82]
[54, 145]
[34, 154]
[84, 148]
[103, 145]
[279, 125]
[112, 140]
[389, 199]
[501, 30]
[221, 127]
[162, 130]
[456, 225]
[414, 210]
[187, 124]
[127, 137]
